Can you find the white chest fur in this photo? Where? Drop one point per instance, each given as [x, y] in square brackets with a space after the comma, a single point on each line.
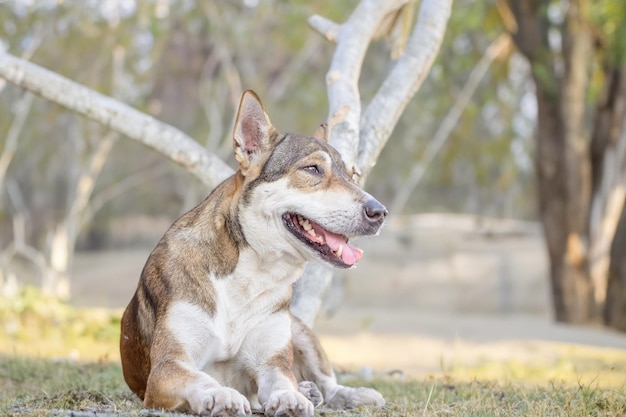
[243, 301]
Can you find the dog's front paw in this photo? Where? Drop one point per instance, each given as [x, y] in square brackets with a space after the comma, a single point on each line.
[342, 398]
[310, 391]
[286, 403]
[221, 402]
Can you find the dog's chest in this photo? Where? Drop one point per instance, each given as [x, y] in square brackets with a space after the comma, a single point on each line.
[240, 307]
[237, 315]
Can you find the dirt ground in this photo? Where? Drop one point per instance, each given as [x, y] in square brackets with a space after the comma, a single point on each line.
[431, 292]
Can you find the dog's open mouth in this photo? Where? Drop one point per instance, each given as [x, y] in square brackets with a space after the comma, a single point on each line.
[333, 247]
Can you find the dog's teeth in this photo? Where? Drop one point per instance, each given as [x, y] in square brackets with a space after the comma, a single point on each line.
[339, 251]
[305, 225]
[311, 232]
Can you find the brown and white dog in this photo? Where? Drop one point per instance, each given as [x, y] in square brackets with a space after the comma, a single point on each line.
[209, 328]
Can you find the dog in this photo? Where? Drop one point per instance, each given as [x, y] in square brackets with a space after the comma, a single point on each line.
[209, 330]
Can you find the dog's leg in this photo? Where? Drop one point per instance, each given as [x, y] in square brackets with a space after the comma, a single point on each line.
[311, 364]
[181, 348]
[175, 385]
[311, 392]
[268, 351]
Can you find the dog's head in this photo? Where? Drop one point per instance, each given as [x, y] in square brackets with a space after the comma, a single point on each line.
[299, 198]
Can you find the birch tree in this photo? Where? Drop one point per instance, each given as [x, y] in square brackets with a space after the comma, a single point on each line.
[358, 130]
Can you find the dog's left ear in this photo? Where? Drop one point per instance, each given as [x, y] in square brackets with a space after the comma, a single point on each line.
[321, 132]
[253, 131]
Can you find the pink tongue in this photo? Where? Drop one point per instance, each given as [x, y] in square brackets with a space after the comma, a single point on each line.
[349, 255]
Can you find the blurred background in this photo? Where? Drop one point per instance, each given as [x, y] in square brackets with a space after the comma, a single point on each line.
[487, 226]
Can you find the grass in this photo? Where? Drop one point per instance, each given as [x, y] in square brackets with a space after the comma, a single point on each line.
[34, 330]
[42, 387]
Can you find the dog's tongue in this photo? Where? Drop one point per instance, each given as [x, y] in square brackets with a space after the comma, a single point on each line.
[349, 254]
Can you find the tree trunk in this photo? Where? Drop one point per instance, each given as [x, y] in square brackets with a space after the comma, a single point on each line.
[608, 163]
[577, 287]
[615, 306]
[562, 159]
[570, 284]
[61, 250]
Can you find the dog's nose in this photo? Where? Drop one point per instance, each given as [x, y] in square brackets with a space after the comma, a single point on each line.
[374, 211]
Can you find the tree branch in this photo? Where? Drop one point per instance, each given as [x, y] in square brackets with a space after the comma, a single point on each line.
[352, 38]
[405, 78]
[22, 109]
[122, 118]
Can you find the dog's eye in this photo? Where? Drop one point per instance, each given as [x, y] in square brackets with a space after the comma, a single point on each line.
[313, 169]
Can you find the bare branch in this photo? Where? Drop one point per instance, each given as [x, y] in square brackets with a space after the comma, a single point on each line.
[87, 179]
[352, 38]
[22, 109]
[32, 47]
[325, 27]
[120, 117]
[405, 78]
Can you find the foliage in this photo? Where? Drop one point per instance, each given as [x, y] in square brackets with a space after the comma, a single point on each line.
[35, 324]
[608, 16]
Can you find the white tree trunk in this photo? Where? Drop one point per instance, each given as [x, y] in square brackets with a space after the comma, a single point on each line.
[361, 136]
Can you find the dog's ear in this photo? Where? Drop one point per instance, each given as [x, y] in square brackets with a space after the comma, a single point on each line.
[253, 131]
[321, 132]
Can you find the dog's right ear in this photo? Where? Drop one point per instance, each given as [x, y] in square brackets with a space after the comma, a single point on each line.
[253, 131]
